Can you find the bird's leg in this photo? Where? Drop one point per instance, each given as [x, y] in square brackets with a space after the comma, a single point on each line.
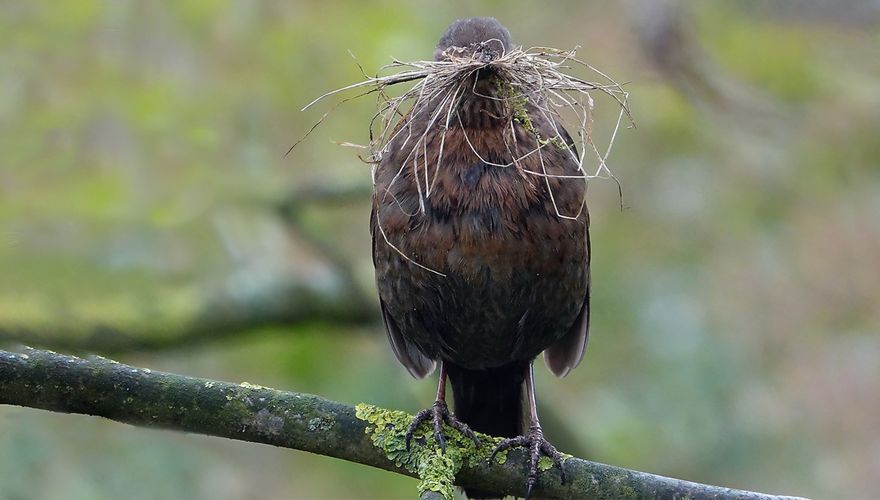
[439, 413]
[533, 440]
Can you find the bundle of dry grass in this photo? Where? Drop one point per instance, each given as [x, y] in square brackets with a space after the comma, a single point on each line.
[534, 76]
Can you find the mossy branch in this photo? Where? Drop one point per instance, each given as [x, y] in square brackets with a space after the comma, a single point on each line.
[362, 434]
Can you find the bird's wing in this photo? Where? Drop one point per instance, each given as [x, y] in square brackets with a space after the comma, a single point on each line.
[566, 353]
[417, 364]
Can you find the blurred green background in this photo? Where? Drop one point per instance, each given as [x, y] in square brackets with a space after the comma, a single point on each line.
[148, 213]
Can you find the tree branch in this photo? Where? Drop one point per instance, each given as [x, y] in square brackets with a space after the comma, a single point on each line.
[282, 275]
[101, 387]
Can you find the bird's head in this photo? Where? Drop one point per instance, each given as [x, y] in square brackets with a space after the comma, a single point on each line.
[481, 37]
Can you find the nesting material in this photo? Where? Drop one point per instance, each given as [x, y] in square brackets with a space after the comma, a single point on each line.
[535, 76]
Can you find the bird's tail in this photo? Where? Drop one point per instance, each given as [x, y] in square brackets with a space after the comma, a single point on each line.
[489, 401]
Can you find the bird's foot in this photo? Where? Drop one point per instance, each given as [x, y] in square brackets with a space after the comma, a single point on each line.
[534, 441]
[439, 413]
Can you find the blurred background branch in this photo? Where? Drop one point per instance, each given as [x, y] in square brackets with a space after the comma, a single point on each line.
[282, 276]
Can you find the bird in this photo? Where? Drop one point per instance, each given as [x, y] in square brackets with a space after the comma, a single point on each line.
[493, 268]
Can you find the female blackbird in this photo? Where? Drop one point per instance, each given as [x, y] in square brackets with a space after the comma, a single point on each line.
[492, 267]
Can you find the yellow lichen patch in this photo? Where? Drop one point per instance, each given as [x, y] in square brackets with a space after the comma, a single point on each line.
[545, 463]
[436, 470]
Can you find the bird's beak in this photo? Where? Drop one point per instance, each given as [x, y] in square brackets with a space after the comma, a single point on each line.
[485, 53]
[485, 56]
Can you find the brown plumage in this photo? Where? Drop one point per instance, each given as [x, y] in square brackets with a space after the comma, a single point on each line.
[492, 267]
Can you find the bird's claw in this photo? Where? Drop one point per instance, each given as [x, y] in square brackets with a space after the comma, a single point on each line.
[534, 441]
[439, 413]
